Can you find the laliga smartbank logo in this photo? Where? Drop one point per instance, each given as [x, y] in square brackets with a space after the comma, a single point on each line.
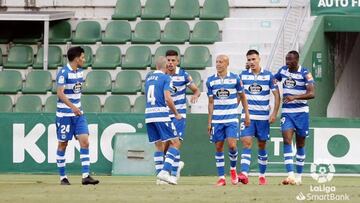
[322, 171]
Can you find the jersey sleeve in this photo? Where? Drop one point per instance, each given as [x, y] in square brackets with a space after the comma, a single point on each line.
[209, 89]
[308, 77]
[61, 78]
[272, 83]
[239, 85]
[278, 76]
[167, 84]
[188, 78]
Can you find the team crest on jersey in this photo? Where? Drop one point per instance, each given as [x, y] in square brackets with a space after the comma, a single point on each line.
[290, 83]
[77, 88]
[223, 93]
[255, 88]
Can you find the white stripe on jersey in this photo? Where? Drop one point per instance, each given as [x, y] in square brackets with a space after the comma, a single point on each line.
[180, 88]
[296, 110]
[75, 75]
[60, 114]
[258, 107]
[73, 96]
[257, 117]
[182, 114]
[64, 106]
[258, 97]
[264, 88]
[157, 119]
[69, 86]
[297, 75]
[179, 97]
[232, 91]
[177, 78]
[225, 101]
[252, 77]
[227, 81]
[180, 106]
[293, 91]
[221, 112]
[157, 110]
[298, 102]
[226, 121]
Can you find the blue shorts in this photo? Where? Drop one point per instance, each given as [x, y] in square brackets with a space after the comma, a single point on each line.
[161, 131]
[299, 122]
[180, 126]
[67, 127]
[258, 128]
[222, 131]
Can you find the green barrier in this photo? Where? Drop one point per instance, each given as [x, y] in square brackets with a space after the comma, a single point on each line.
[28, 144]
[326, 7]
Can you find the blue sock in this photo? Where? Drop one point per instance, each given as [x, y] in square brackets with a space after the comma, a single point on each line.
[300, 158]
[245, 160]
[60, 162]
[220, 163]
[233, 156]
[170, 158]
[262, 160]
[85, 162]
[159, 161]
[175, 165]
[288, 158]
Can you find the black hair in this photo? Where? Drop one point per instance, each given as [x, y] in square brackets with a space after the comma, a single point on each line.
[251, 52]
[74, 52]
[295, 53]
[171, 53]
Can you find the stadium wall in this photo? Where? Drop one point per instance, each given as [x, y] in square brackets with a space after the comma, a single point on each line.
[28, 144]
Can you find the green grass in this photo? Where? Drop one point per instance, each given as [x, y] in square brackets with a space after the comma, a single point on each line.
[46, 188]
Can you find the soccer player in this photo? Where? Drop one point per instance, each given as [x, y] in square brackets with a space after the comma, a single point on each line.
[180, 80]
[257, 86]
[160, 129]
[225, 92]
[70, 120]
[298, 87]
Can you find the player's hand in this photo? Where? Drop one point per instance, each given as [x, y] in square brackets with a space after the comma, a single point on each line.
[178, 117]
[194, 99]
[247, 120]
[272, 118]
[209, 129]
[288, 99]
[76, 111]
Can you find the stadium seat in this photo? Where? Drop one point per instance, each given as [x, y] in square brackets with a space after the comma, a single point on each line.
[185, 10]
[59, 32]
[87, 32]
[215, 10]
[5, 104]
[196, 57]
[10, 81]
[117, 104]
[28, 104]
[139, 106]
[137, 57]
[107, 57]
[50, 104]
[33, 34]
[97, 82]
[196, 79]
[20, 56]
[117, 32]
[127, 82]
[175, 32]
[127, 10]
[161, 51]
[88, 56]
[205, 32]
[37, 82]
[146, 32]
[156, 10]
[55, 58]
[90, 103]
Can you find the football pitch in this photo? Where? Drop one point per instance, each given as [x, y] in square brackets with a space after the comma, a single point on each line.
[46, 188]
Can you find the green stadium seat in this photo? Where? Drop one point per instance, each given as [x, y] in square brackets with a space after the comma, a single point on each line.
[88, 56]
[205, 32]
[117, 32]
[137, 57]
[5, 104]
[196, 57]
[196, 79]
[107, 57]
[117, 104]
[156, 10]
[10, 81]
[59, 32]
[87, 32]
[50, 104]
[37, 82]
[139, 106]
[175, 32]
[55, 58]
[28, 104]
[90, 103]
[20, 56]
[215, 10]
[33, 34]
[127, 10]
[97, 82]
[161, 51]
[146, 32]
[185, 10]
[127, 82]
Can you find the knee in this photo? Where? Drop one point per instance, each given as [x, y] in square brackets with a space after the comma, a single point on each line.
[84, 144]
[262, 145]
[287, 141]
[62, 146]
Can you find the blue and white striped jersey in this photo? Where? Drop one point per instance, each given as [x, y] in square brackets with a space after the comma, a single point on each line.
[156, 84]
[294, 83]
[257, 89]
[180, 80]
[224, 91]
[72, 82]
